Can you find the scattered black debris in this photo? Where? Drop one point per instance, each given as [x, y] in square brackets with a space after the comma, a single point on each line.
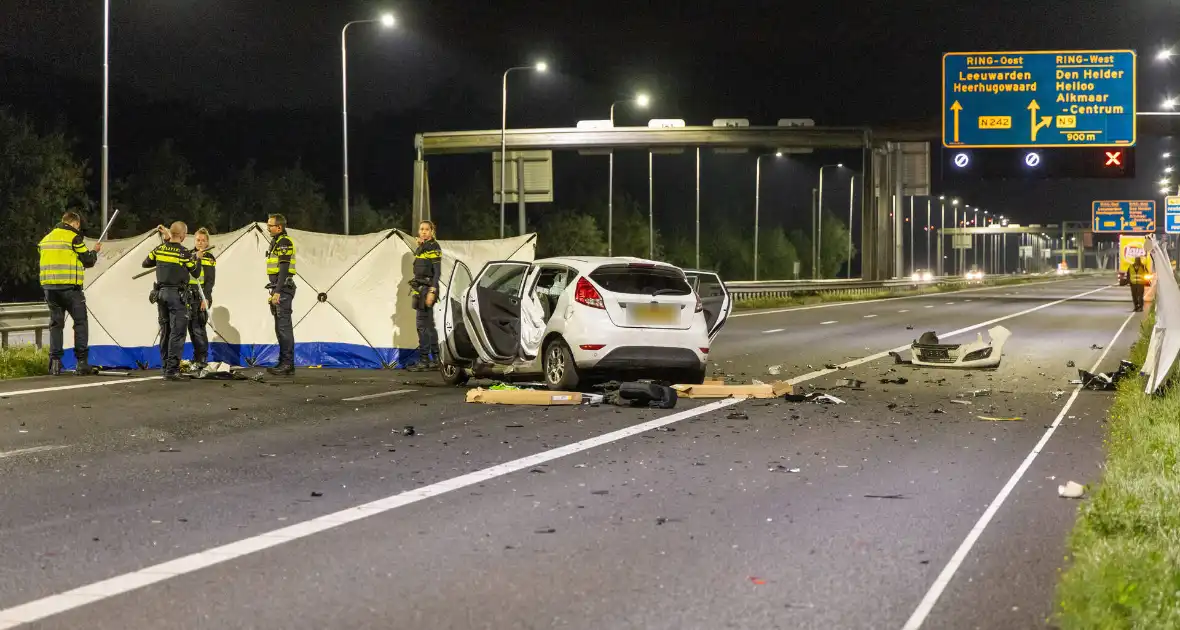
[666, 429]
[408, 430]
[779, 468]
[655, 395]
[813, 397]
[737, 415]
[600, 492]
[537, 470]
[850, 382]
[923, 562]
[979, 393]
[85, 406]
[898, 360]
[901, 380]
[1070, 364]
[1105, 381]
[938, 411]
[1095, 347]
[546, 530]
[317, 494]
[169, 450]
[514, 426]
[886, 496]
[661, 520]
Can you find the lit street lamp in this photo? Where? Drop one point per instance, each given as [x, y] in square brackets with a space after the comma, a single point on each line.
[386, 21]
[1164, 54]
[757, 201]
[540, 66]
[851, 199]
[641, 100]
[816, 249]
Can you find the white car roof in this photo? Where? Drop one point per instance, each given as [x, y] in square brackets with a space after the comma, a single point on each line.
[588, 263]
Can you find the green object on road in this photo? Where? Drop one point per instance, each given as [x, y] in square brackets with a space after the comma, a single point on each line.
[1124, 563]
[23, 361]
[503, 387]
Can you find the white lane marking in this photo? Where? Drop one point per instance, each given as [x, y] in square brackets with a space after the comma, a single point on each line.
[828, 322]
[948, 572]
[59, 388]
[891, 299]
[869, 316]
[54, 604]
[772, 330]
[950, 303]
[929, 306]
[381, 395]
[32, 449]
[904, 310]
[881, 355]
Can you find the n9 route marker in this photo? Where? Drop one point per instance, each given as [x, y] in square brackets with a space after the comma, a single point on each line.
[1027, 99]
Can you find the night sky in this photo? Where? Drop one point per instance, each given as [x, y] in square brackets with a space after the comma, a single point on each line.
[841, 63]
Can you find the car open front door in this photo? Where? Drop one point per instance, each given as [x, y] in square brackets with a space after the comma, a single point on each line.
[457, 347]
[492, 312]
[714, 298]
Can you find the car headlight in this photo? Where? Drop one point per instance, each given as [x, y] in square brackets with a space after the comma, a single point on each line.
[929, 276]
[978, 355]
[916, 277]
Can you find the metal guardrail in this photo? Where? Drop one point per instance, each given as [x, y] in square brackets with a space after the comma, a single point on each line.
[23, 317]
[34, 316]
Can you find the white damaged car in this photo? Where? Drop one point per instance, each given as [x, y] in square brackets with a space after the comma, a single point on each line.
[576, 319]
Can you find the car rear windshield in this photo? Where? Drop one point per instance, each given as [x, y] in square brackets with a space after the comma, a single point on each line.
[641, 280]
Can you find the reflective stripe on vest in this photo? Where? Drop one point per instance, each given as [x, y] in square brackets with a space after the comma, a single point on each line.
[283, 246]
[59, 259]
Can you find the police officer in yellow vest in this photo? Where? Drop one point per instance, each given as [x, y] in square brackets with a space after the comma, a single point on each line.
[64, 258]
[1137, 274]
[199, 299]
[174, 265]
[280, 271]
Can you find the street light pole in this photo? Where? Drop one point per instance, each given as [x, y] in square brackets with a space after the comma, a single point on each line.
[941, 236]
[757, 202]
[851, 199]
[928, 204]
[819, 222]
[106, 102]
[387, 21]
[539, 67]
[641, 100]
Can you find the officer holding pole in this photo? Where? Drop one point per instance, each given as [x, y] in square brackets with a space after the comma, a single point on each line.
[64, 259]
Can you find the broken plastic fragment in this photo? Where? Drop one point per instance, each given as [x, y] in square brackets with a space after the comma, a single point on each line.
[1071, 490]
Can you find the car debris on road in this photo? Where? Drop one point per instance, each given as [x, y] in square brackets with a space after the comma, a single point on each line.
[1071, 490]
[927, 351]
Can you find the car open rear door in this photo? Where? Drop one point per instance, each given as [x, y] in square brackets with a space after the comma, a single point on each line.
[457, 347]
[714, 298]
[492, 311]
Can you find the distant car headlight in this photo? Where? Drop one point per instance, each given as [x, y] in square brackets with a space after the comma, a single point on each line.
[929, 276]
[916, 277]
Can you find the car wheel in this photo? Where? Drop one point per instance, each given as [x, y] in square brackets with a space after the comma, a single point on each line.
[561, 374]
[453, 374]
[694, 376]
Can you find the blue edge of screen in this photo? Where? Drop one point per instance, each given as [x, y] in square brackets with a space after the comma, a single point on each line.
[328, 355]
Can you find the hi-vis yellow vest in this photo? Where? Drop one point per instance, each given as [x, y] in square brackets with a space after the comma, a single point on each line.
[59, 259]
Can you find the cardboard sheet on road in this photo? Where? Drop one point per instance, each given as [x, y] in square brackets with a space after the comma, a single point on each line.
[721, 390]
[541, 397]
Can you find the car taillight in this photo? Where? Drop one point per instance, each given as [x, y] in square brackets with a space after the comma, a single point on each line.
[585, 293]
[704, 351]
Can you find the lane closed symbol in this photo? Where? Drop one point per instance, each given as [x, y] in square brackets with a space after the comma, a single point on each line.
[961, 160]
[1032, 159]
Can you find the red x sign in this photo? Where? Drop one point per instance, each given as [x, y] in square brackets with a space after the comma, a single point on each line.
[1114, 158]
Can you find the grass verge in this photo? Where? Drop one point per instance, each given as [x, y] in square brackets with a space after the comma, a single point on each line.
[823, 298]
[1124, 551]
[22, 361]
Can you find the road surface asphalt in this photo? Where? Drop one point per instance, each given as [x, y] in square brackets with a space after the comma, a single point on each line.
[753, 514]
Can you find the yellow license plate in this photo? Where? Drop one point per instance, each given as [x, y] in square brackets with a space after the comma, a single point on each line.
[654, 313]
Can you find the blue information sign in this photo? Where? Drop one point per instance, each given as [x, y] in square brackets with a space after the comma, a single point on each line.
[1124, 216]
[1172, 215]
[1038, 99]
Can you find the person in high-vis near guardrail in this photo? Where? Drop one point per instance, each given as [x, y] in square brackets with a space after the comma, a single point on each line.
[64, 259]
[1138, 275]
[280, 271]
[424, 293]
[199, 299]
[174, 265]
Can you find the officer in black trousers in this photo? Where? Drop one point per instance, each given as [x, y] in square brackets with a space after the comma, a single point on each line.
[174, 265]
[424, 292]
[280, 270]
[200, 299]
